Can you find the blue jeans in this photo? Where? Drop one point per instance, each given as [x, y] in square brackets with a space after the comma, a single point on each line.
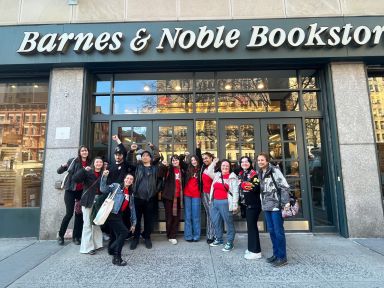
[219, 213]
[192, 221]
[276, 232]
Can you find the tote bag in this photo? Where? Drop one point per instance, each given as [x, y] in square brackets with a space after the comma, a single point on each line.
[105, 209]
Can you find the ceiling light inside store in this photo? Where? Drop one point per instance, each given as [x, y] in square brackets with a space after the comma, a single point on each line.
[35, 86]
[13, 86]
[260, 85]
[177, 88]
[147, 88]
[228, 86]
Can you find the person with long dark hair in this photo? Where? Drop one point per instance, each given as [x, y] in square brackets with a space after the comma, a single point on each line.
[92, 237]
[205, 177]
[72, 194]
[249, 189]
[224, 197]
[274, 191]
[123, 200]
[192, 201]
[174, 180]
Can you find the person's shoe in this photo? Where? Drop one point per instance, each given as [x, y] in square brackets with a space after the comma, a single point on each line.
[228, 247]
[252, 256]
[196, 240]
[216, 243]
[134, 243]
[129, 236]
[110, 252]
[92, 252]
[209, 241]
[118, 261]
[271, 259]
[148, 243]
[76, 241]
[189, 240]
[60, 240]
[173, 241]
[246, 251]
[106, 237]
[280, 262]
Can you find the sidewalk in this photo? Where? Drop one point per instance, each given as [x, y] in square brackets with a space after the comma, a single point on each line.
[314, 261]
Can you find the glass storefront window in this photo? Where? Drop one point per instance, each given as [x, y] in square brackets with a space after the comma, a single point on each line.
[309, 79]
[310, 101]
[206, 135]
[205, 103]
[23, 110]
[102, 105]
[321, 195]
[100, 139]
[376, 88]
[103, 83]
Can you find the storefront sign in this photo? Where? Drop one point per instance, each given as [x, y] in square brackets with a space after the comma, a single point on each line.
[204, 38]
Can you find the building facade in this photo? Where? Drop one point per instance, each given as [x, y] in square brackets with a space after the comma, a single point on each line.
[302, 80]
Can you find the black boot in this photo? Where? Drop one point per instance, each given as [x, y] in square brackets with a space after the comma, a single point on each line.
[60, 240]
[118, 261]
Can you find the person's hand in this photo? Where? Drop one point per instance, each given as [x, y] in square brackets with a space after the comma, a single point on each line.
[105, 173]
[164, 162]
[133, 228]
[134, 147]
[88, 168]
[198, 145]
[64, 165]
[186, 153]
[215, 160]
[236, 210]
[287, 206]
[150, 145]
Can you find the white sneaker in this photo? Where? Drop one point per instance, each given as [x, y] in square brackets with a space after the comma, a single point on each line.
[173, 241]
[106, 237]
[252, 256]
[246, 251]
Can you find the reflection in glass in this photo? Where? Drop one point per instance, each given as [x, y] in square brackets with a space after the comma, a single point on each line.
[103, 83]
[274, 132]
[309, 79]
[206, 135]
[310, 101]
[165, 134]
[99, 146]
[205, 103]
[289, 132]
[23, 110]
[180, 133]
[124, 85]
[274, 149]
[102, 105]
[321, 194]
[205, 85]
[258, 102]
[290, 150]
[232, 133]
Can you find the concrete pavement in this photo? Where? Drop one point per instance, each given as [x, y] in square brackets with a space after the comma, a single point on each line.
[314, 261]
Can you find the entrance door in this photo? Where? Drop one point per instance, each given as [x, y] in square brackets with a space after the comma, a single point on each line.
[172, 137]
[283, 139]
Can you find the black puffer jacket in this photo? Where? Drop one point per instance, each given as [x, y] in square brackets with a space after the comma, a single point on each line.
[70, 184]
[91, 186]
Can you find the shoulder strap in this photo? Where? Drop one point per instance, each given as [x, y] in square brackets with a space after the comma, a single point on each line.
[92, 185]
[222, 181]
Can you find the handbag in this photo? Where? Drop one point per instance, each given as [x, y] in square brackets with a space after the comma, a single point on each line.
[105, 209]
[294, 206]
[61, 183]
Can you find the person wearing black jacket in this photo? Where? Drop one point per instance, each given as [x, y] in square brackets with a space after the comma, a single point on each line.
[91, 238]
[250, 196]
[145, 189]
[72, 194]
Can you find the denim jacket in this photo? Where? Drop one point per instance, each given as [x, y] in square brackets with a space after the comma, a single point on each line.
[119, 198]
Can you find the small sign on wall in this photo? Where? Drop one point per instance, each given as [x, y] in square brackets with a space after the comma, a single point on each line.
[62, 133]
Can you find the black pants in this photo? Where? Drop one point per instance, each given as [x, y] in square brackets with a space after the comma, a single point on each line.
[144, 208]
[118, 233]
[172, 221]
[69, 200]
[252, 215]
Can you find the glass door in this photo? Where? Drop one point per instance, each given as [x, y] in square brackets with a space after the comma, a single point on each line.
[240, 137]
[283, 140]
[130, 132]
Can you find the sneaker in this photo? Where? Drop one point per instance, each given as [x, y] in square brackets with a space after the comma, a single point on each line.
[228, 247]
[252, 256]
[189, 240]
[60, 241]
[118, 261]
[209, 241]
[271, 259]
[279, 262]
[216, 243]
[92, 252]
[173, 241]
[134, 243]
[148, 243]
[246, 251]
[106, 237]
[76, 241]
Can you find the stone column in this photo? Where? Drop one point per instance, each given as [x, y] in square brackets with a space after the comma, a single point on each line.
[360, 173]
[63, 137]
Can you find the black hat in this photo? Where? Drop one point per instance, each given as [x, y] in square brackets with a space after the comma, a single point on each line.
[118, 150]
[148, 152]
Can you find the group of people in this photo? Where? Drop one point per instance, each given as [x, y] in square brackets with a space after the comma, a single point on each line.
[137, 176]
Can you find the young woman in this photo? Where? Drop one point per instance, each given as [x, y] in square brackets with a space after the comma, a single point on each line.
[72, 194]
[123, 200]
[274, 191]
[224, 196]
[192, 201]
[174, 179]
[92, 237]
[205, 177]
[249, 189]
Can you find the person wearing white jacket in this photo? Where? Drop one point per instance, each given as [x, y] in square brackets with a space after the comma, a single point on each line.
[224, 197]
